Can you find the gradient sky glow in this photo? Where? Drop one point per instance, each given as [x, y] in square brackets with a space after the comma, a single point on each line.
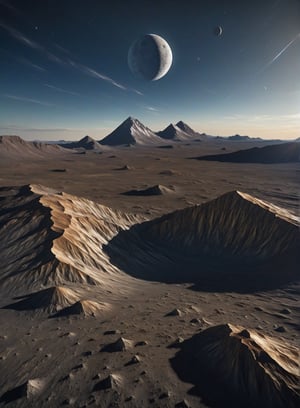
[64, 72]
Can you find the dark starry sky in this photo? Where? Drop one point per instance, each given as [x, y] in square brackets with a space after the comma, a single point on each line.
[64, 72]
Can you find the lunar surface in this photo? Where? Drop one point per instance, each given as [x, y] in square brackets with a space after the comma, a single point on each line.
[134, 276]
[150, 57]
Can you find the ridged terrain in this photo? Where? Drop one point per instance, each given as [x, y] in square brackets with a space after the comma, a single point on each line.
[49, 238]
[233, 225]
[234, 366]
[52, 239]
[235, 234]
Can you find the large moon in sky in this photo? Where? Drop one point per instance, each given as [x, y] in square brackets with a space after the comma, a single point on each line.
[150, 57]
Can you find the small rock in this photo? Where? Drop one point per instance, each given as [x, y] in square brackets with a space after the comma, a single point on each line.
[285, 311]
[79, 366]
[280, 329]
[107, 383]
[176, 343]
[109, 332]
[195, 321]
[174, 312]
[120, 345]
[135, 360]
[141, 343]
[86, 353]
[182, 404]
[68, 401]
[164, 395]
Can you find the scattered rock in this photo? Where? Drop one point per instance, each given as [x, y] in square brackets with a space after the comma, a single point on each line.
[175, 312]
[195, 321]
[154, 190]
[280, 329]
[69, 401]
[86, 353]
[79, 366]
[164, 395]
[176, 343]
[182, 404]
[109, 332]
[126, 167]
[135, 360]
[141, 343]
[285, 311]
[168, 173]
[29, 389]
[120, 345]
[112, 381]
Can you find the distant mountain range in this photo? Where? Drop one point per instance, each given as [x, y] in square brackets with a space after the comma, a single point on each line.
[133, 132]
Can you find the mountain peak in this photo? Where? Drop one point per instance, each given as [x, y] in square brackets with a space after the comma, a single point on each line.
[131, 131]
[87, 139]
[173, 132]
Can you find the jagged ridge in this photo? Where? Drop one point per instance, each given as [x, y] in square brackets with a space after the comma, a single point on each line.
[235, 242]
[50, 238]
[235, 224]
[234, 366]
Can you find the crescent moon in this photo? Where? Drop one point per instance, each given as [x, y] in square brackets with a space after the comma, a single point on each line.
[150, 57]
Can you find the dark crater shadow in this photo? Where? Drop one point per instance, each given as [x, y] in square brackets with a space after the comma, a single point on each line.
[152, 259]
